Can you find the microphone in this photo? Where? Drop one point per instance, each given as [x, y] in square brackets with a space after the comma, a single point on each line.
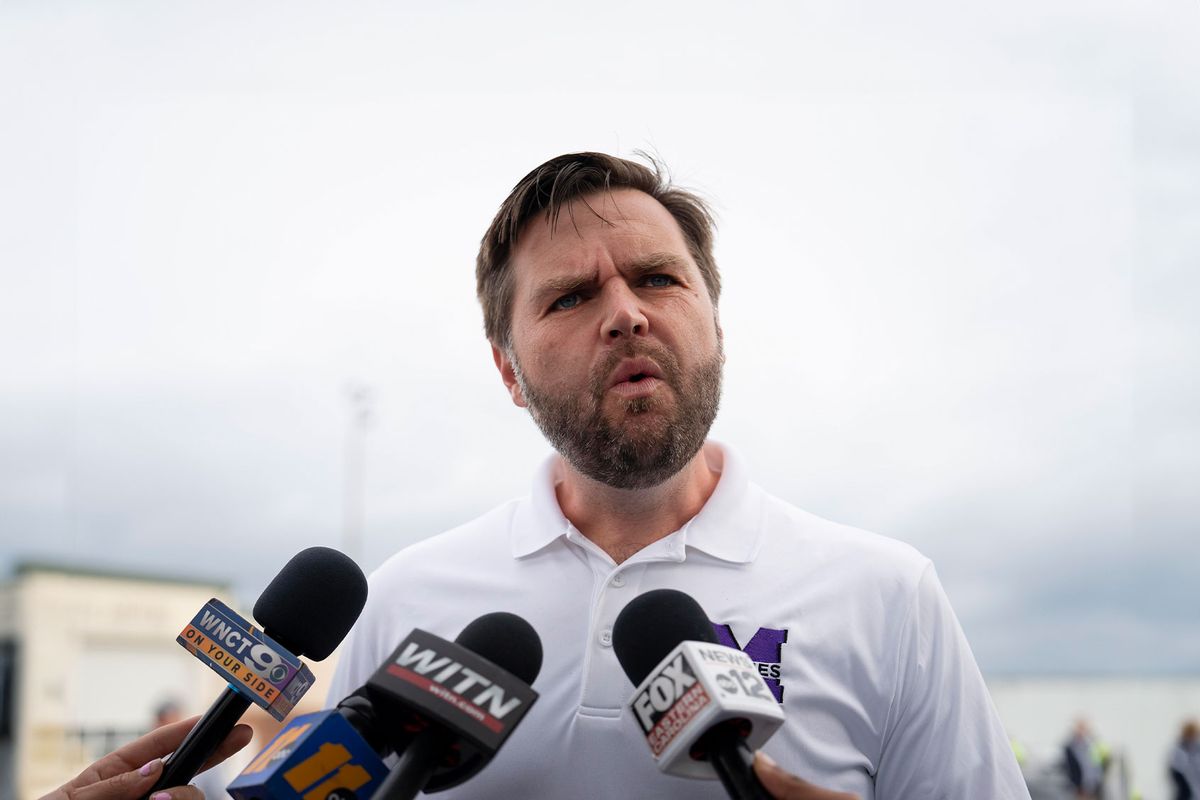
[335, 754]
[702, 707]
[306, 610]
[320, 756]
[450, 706]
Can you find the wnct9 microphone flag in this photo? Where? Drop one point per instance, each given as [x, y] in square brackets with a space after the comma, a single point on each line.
[306, 610]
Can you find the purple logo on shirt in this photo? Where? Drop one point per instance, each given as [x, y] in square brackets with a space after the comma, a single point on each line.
[764, 649]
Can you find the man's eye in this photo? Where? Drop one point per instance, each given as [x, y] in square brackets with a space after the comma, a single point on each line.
[659, 281]
[566, 301]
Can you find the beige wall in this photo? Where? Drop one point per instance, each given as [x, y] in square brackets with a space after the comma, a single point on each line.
[97, 652]
[100, 652]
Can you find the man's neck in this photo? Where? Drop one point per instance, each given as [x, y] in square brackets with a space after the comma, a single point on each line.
[623, 521]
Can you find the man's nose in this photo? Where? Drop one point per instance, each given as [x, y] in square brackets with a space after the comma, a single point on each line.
[623, 314]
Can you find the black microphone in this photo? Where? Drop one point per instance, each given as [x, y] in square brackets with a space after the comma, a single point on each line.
[336, 754]
[702, 707]
[308, 608]
[449, 706]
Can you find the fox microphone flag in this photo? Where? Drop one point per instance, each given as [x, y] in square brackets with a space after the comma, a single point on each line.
[702, 707]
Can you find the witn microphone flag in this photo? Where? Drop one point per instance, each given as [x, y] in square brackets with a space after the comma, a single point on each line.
[249, 660]
[452, 685]
[696, 687]
[456, 702]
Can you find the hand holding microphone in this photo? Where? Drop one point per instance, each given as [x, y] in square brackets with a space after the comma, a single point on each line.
[785, 786]
[129, 772]
[702, 707]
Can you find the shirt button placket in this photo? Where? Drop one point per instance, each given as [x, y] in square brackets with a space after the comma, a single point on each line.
[606, 686]
[617, 581]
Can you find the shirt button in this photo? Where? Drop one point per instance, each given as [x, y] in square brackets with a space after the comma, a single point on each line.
[618, 580]
[606, 637]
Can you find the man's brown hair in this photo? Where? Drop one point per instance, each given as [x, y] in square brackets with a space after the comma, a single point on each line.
[551, 187]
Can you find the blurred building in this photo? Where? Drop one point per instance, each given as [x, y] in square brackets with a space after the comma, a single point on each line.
[85, 658]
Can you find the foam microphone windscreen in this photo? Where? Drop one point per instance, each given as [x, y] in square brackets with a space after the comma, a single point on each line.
[652, 625]
[313, 602]
[508, 641]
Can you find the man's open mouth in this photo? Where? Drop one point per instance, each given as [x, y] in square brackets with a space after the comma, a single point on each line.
[635, 370]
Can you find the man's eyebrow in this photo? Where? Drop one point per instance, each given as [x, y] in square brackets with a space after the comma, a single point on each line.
[655, 261]
[561, 285]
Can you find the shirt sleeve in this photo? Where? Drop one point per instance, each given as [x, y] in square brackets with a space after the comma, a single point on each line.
[942, 739]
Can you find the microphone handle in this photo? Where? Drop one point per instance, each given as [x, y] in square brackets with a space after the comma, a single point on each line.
[734, 763]
[202, 741]
[416, 766]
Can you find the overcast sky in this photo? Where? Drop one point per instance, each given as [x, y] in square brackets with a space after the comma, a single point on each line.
[959, 247]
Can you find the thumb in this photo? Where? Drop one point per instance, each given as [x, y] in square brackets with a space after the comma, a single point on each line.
[785, 786]
[122, 786]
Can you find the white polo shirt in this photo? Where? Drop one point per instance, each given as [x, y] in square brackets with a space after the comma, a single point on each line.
[881, 692]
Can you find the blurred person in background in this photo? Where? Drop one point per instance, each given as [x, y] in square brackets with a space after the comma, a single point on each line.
[1184, 764]
[166, 713]
[1085, 762]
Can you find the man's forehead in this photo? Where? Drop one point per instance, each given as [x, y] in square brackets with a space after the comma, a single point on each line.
[626, 220]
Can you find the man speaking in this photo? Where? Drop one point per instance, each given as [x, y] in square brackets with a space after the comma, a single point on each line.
[600, 301]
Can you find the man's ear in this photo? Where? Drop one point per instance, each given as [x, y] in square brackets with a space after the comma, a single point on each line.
[508, 375]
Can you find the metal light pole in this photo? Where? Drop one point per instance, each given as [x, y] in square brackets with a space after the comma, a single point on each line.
[359, 398]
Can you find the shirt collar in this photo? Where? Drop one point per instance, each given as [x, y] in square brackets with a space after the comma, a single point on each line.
[538, 520]
[728, 527]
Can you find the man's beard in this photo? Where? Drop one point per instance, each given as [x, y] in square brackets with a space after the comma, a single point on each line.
[633, 453]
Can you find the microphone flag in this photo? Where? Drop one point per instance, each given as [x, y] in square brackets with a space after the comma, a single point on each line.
[316, 757]
[696, 686]
[430, 684]
[253, 664]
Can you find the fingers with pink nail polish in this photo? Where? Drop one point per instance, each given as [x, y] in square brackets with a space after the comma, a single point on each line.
[117, 775]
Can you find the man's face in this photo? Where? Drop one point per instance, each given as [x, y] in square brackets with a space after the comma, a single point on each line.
[615, 347]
